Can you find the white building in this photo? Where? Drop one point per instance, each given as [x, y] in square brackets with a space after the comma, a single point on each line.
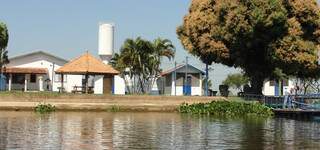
[36, 71]
[192, 86]
[33, 72]
[277, 87]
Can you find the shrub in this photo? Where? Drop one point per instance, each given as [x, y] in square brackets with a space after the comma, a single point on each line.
[227, 108]
[44, 108]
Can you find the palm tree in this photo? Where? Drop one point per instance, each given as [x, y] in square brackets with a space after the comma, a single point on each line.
[4, 37]
[118, 63]
[135, 54]
[161, 48]
[140, 60]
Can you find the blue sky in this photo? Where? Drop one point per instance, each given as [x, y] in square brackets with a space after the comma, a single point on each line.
[68, 28]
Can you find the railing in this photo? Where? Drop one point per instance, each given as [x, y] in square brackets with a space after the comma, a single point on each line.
[305, 102]
[252, 97]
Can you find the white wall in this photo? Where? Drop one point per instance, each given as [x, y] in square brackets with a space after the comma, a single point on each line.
[269, 90]
[72, 80]
[98, 84]
[196, 91]
[179, 90]
[119, 85]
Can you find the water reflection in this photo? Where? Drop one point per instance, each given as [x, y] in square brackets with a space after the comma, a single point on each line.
[84, 130]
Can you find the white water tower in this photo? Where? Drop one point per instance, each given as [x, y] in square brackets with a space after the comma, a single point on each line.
[106, 41]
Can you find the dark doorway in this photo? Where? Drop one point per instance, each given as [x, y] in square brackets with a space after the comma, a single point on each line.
[107, 84]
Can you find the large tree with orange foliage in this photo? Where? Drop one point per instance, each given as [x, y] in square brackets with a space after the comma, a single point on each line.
[259, 36]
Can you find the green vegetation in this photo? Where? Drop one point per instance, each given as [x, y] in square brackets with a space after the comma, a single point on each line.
[31, 94]
[236, 81]
[4, 37]
[47, 94]
[224, 90]
[140, 60]
[261, 37]
[44, 108]
[227, 108]
[113, 108]
[236, 99]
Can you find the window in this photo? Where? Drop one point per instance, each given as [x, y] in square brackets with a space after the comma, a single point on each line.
[33, 78]
[18, 78]
[57, 78]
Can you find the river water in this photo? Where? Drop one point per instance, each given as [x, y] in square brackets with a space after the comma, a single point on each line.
[126, 130]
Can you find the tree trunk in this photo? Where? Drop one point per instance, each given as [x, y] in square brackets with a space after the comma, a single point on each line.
[141, 85]
[256, 85]
[126, 83]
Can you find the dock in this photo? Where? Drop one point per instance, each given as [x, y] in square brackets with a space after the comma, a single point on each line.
[296, 113]
[302, 106]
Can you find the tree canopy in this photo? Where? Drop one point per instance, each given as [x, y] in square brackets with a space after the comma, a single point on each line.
[139, 62]
[236, 81]
[256, 35]
[4, 37]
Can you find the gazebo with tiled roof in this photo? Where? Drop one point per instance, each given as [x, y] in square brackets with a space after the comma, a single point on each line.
[86, 65]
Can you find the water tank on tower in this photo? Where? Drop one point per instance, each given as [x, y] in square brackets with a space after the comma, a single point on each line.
[106, 41]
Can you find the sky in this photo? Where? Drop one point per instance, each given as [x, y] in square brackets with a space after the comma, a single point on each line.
[68, 28]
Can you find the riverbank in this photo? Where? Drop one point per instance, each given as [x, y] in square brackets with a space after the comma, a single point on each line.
[82, 102]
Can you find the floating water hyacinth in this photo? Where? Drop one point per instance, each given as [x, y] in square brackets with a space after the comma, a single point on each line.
[227, 108]
[44, 108]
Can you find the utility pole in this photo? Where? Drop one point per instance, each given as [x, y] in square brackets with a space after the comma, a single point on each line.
[175, 78]
[53, 76]
[175, 73]
[1, 75]
[186, 76]
[207, 78]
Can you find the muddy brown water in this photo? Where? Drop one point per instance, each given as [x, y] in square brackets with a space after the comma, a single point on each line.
[126, 130]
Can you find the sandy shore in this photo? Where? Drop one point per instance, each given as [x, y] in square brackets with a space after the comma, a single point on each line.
[100, 103]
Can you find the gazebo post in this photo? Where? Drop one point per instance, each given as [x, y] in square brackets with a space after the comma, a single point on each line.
[62, 83]
[86, 76]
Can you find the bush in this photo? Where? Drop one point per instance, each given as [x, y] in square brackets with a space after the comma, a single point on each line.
[44, 108]
[227, 108]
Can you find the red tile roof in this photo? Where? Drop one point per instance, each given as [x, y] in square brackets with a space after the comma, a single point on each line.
[87, 64]
[25, 70]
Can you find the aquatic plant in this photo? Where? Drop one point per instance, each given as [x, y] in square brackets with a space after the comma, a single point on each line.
[44, 108]
[227, 108]
[113, 108]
